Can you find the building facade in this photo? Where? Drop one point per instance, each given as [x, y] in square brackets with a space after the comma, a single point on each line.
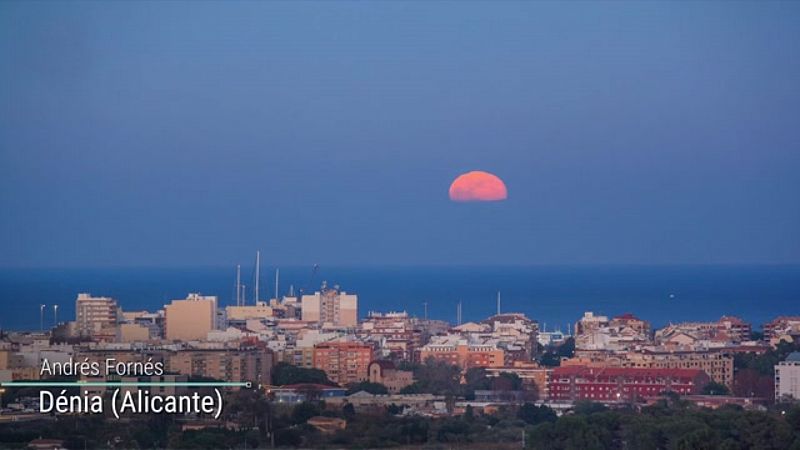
[787, 378]
[385, 373]
[614, 384]
[331, 307]
[233, 365]
[96, 316]
[190, 319]
[344, 362]
[460, 352]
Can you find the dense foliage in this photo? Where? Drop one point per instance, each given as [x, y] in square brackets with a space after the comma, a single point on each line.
[284, 373]
[669, 424]
[552, 356]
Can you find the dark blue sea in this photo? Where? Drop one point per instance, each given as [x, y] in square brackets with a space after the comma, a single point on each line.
[553, 295]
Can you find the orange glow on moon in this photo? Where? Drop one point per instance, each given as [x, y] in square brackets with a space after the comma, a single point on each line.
[478, 186]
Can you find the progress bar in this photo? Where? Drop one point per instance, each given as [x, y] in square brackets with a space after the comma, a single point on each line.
[124, 384]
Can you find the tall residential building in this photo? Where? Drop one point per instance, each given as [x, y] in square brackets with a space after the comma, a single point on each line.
[96, 316]
[344, 362]
[787, 378]
[190, 319]
[331, 307]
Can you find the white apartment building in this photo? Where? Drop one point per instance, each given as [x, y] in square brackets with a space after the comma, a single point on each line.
[787, 378]
[95, 315]
[331, 306]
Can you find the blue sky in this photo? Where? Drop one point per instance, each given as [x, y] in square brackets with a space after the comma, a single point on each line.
[179, 134]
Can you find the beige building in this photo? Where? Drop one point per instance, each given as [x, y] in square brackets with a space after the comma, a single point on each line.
[132, 332]
[233, 365]
[190, 319]
[718, 365]
[261, 311]
[95, 316]
[331, 307]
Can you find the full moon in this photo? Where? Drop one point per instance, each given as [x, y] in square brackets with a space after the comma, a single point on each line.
[478, 186]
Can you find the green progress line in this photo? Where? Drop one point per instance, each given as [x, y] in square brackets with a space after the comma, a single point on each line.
[122, 384]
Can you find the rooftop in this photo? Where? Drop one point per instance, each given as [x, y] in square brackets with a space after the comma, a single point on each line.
[793, 357]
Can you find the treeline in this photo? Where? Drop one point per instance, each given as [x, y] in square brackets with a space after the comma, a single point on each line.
[670, 424]
[253, 422]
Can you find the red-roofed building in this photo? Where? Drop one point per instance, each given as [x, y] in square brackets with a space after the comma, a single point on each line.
[618, 384]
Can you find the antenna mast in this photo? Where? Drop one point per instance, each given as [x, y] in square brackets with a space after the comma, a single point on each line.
[238, 285]
[258, 273]
[277, 279]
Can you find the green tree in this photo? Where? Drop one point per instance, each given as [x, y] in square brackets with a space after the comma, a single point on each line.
[304, 411]
[435, 377]
[714, 388]
[284, 374]
[348, 411]
[534, 415]
[586, 407]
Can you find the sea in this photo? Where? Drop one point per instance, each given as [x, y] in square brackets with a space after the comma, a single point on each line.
[555, 296]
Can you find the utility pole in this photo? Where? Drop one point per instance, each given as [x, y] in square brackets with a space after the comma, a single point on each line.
[55, 315]
[41, 317]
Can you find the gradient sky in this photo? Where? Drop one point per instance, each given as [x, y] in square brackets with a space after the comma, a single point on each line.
[179, 134]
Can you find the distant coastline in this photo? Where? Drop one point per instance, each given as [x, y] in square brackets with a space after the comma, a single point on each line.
[555, 295]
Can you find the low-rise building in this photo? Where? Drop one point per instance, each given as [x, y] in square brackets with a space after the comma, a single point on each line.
[246, 364]
[384, 372]
[534, 378]
[785, 328]
[690, 335]
[463, 352]
[614, 384]
[717, 364]
[298, 393]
